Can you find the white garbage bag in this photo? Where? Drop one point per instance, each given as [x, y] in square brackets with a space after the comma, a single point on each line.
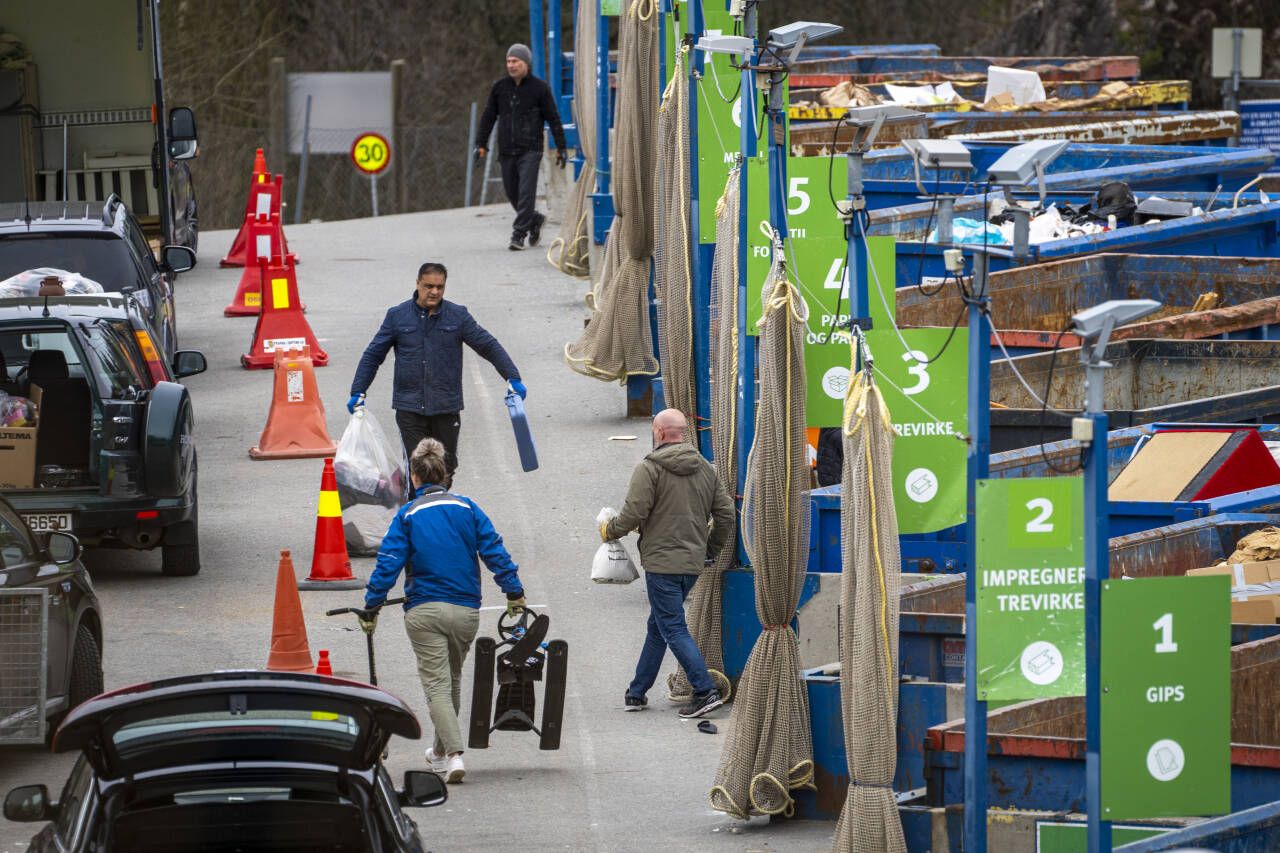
[612, 564]
[370, 475]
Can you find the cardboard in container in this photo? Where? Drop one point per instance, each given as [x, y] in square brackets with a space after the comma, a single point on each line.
[18, 451]
[1257, 610]
[1243, 574]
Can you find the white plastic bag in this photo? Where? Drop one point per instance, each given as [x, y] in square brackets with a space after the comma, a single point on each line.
[369, 473]
[363, 526]
[27, 283]
[612, 564]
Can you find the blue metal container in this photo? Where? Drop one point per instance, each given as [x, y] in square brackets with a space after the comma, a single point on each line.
[1250, 230]
[1029, 305]
[889, 174]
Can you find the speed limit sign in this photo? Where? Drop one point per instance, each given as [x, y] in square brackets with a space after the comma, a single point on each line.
[371, 153]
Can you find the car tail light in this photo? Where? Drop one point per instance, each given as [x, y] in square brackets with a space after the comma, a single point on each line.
[154, 365]
[149, 513]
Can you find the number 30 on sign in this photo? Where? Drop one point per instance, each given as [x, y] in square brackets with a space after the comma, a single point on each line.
[371, 153]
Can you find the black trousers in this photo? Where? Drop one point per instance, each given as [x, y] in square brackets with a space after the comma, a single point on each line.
[520, 180]
[445, 428]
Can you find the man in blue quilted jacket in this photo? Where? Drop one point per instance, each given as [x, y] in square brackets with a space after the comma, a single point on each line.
[428, 332]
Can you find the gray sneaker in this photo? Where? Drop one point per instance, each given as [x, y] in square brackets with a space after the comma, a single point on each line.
[517, 243]
[703, 703]
[633, 703]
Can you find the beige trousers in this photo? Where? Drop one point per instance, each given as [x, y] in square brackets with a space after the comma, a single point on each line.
[441, 636]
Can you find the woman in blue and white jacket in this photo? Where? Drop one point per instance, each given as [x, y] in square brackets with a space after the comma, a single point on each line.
[437, 540]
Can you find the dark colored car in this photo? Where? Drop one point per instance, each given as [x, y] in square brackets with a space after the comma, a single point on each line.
[114, 455]
[104, 243]
[45, 596]
[232, 761]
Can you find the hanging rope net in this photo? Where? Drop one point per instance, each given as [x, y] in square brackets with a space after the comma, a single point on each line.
[672, 263]
[617, 342]
[769, 751]
[704, 605]
[869, 623]
[569, 251]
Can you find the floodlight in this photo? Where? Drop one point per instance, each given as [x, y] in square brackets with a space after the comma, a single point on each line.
[1017, 166]
[788, 36]
[796, 36]
[869, 120]
[938, 154]
[737, 45]
[1092, 322]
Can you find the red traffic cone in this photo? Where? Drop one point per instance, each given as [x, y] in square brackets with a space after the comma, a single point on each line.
[281, 324]
[236, 255]
[330, 565]
[263, 245]
[322, 666]
[289, 649]
[296, 424]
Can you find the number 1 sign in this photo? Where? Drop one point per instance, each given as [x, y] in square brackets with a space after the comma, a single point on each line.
[1030, 554]
[1166, 697]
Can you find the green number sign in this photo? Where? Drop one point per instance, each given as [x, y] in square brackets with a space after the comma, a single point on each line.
[1030, 564]
[1166, 697]
[928, 460]
[1058, 837]
[719, 124]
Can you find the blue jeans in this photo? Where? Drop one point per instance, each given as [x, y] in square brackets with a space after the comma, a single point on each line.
[667, 628]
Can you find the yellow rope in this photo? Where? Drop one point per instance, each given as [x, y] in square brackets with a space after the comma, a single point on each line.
[638, 5]
[856, 399]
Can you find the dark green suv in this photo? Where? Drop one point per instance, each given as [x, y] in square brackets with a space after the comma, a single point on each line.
[112, 458]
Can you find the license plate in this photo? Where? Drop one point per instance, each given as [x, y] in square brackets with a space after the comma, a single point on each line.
[46, 522]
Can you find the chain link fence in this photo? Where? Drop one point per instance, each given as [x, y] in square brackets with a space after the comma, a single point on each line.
[428, 172]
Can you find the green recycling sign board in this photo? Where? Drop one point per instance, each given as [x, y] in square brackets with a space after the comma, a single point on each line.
[1166, 697]
[927, 398]
[1030, 597]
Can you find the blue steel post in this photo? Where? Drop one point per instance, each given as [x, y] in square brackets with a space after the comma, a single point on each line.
[537, 39]
[602, 104]
[856, 260]
[1096, 570]
[700, 271]
[555, 58]
[746, 343]
[975, 711]
[601, 200]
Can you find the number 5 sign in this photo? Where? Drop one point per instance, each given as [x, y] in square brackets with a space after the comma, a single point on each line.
[1030, 555]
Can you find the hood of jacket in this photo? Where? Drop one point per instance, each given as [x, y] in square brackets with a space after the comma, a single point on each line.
[679, 458]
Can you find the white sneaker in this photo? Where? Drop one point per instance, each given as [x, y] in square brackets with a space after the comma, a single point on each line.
[437, 763]
[454, 770]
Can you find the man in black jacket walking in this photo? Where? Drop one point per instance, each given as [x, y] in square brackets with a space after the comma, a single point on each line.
[520, 103]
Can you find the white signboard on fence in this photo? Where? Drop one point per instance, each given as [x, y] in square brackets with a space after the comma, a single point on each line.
[343, 106]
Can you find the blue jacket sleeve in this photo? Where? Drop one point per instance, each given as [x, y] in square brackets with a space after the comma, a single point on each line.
[494, 554]
[487, 346]
[374, 354]
[393, 556]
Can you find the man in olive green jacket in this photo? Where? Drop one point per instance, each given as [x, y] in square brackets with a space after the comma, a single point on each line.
[684, 517]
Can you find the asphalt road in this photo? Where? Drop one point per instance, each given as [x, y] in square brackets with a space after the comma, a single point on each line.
[620, 781]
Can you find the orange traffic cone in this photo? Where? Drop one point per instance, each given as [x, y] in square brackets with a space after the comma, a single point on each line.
[330, 565]
[289, 649]
[323, 666]
[237, 255]
[296, 425]
[263, 242]
[281, 324]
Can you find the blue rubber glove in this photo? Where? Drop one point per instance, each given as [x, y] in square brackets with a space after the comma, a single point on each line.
[356, 400]
[518, 387]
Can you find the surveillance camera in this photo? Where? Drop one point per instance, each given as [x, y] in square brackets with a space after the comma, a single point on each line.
[1092, 322]
[737, 45]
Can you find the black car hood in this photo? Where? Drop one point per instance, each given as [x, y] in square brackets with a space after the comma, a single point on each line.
[235, 716]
